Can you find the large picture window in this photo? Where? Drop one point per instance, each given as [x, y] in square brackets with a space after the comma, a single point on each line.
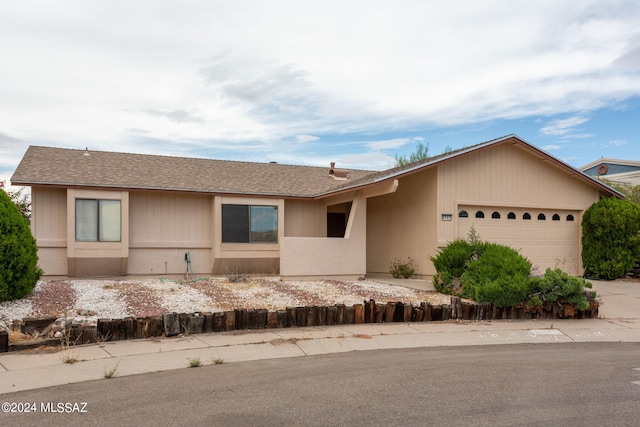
[97, 220]
[249, 224]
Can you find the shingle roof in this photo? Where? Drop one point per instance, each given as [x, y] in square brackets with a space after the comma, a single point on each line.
[74, 168]
[67, 167]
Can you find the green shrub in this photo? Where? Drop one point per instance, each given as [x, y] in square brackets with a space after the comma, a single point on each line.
[452, 261]
[405, 270]
[556, 285]
[19, 270]
[500, 275]
[610, 238]
[490, 272]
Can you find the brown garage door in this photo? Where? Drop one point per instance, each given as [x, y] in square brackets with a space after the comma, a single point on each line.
[547, 237]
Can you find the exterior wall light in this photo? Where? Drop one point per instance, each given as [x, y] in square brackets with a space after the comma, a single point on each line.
[447, 217]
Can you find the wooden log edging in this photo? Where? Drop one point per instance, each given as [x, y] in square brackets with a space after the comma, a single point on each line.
[173, 324]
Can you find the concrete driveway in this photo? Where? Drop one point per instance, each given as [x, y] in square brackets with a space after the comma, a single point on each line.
[620, 298]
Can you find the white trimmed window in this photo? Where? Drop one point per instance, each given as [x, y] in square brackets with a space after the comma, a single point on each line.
[98, 220]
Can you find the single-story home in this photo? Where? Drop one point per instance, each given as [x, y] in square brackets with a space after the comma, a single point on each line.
[625, 172]
[97, 213]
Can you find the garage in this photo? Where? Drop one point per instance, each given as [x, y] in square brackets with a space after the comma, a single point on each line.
[547, 237]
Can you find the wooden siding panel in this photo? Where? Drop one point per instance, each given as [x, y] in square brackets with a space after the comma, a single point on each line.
[305, 219]
[166, 220]
[49, 207]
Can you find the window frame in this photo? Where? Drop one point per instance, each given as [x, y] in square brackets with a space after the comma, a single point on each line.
[244, 231]
[100, 230]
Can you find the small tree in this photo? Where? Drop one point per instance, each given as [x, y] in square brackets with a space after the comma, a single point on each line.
[610, 238]
[421, 153]
[19, 270]
[20, 199]
[631, 192]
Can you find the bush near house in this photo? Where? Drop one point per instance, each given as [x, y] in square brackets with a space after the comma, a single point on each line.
[610, 238]
[490, 272]
[19, 270]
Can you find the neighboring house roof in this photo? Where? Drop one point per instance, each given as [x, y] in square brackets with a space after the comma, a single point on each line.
[614, 170]
[81, 168]
[633, 164]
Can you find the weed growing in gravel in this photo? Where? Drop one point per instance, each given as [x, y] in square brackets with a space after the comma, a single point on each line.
[217, 361]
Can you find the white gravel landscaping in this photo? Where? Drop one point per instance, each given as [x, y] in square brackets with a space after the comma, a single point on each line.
[89, 300]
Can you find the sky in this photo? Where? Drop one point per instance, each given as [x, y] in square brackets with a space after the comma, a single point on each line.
[313, 82]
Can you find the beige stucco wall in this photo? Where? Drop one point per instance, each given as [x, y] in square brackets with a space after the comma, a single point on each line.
[49, 227]
[403, 224]
[326, 257]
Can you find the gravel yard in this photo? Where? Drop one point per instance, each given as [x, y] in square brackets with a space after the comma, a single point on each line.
[89, 300]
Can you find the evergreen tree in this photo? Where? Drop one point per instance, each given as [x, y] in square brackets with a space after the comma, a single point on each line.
[19, 270]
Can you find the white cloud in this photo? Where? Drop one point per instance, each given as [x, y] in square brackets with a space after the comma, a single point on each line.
[210, 76]
[372, 161]
[306, 138]
[551, 147]
[389, 143]
[615, 143]
[561, 127]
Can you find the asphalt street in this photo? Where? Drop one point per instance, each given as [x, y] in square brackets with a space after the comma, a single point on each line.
[525, 384]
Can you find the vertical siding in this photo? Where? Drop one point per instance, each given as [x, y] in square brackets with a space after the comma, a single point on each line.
[510, 177]
[506, 174]
[167, 220]
[305, 219]
[49, 219]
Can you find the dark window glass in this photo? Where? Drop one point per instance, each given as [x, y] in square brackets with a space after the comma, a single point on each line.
[526, 215]
[479, 214]
[249, 224]
[235, 223]
[569, 217]
[463, 214]
[495, 215]
[555, 217]
[511, 215]
[542, 217]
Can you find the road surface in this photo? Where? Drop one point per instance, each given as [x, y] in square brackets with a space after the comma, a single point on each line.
[543, 384]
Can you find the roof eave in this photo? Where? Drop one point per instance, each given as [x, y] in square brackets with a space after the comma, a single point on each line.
[166, 189]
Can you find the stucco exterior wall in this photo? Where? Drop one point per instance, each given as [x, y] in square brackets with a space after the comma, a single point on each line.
[403, 224]
[316, 256]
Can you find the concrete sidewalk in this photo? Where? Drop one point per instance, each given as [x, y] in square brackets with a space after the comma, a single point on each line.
[620, 322]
